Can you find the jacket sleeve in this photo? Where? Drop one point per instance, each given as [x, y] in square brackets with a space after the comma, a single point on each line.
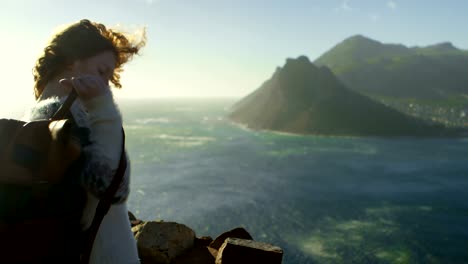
[102, 155]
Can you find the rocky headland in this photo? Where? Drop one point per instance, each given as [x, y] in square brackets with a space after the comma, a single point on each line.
[303, 98]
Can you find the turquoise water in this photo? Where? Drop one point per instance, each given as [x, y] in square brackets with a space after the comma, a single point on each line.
[322, 199]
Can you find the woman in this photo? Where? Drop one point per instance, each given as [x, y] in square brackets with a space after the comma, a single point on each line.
[87, 56]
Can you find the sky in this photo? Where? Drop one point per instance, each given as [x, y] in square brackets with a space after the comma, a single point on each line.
[218, 48]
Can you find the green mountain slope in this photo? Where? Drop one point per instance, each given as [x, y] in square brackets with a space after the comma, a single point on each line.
[377, 69]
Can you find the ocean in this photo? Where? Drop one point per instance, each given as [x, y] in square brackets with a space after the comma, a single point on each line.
[322, 199]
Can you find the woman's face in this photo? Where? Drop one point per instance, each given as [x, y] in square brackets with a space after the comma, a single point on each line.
[101, 65]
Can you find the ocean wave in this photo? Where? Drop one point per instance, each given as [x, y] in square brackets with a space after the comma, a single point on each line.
[159, 120]
[185, 141]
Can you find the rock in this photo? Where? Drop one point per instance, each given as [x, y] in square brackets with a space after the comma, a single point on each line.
[131, 216]
[213, 252]
[199, 254]
[235, 250]
[161, 242]
[133, 220]
[135, 223]
[196, 255]
[235, 233]
[203, 241]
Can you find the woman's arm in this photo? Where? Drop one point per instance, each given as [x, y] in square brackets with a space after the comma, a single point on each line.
[102, 155]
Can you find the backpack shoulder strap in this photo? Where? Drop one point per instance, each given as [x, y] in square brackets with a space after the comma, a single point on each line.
[104, 205]
[65, 108]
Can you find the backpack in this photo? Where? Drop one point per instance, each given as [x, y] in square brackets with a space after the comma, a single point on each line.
[41, 203]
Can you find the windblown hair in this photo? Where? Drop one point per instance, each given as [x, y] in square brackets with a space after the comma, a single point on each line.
[83, 40]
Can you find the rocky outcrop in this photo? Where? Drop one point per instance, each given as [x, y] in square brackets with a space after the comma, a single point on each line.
[237, 233]
[245, 251]
[199, 254]
[161, 242]
[173, 243]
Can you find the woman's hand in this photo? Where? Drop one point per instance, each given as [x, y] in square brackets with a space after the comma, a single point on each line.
[87, 86]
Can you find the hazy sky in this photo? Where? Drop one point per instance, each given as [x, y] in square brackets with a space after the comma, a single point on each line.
[219, 47]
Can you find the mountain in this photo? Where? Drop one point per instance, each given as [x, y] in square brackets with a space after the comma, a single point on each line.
[438, 49]
[303, 98]
[374, 68]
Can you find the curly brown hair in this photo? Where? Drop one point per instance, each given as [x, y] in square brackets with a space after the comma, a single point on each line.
[82, 40]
